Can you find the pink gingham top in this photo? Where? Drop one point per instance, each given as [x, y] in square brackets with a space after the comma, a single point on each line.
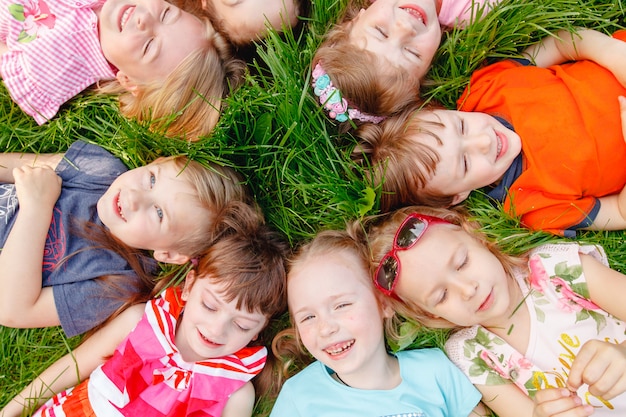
[54, 52]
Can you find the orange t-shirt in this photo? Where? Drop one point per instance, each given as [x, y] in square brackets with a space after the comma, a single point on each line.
[568, 119]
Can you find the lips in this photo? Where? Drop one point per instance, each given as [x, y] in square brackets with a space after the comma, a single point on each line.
[117, 206]
[502, 146]
[416, 12]
[487, 303]
[208, 342]
[339, 348]
[125, 14]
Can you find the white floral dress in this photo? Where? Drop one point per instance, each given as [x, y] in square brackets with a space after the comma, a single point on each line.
[562, 318]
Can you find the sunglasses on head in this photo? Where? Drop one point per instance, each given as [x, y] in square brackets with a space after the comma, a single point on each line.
[409, 232]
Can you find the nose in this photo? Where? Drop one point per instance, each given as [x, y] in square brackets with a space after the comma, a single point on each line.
[328, 326]
[135, 199]
[479, 142]
[402, 28]
[143, 18]
[467, 288]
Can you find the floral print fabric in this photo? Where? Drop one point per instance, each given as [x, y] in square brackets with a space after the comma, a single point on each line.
[562, 318]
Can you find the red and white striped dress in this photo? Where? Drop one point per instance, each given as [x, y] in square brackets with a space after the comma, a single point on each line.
[147, 376]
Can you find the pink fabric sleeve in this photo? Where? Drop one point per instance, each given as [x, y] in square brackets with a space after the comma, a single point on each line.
[459, 12]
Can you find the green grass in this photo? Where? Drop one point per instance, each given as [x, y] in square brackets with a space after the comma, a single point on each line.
[295, 161]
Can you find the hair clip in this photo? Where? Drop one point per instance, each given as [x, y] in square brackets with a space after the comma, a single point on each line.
[337, 106]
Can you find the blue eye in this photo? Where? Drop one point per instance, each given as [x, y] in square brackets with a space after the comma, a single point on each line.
[159, 212]
[152, 180]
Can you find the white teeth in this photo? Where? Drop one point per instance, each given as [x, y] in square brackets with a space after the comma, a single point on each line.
[337, 349]
[125, 18]
[414, 13]
[119, 209]
[499, 145]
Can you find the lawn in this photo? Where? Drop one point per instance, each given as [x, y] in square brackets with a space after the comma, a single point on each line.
[293, 158]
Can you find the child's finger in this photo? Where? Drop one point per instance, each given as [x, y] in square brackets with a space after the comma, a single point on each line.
[559, 402]
[581, 366]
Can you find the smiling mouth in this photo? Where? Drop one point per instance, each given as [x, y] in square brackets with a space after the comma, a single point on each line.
[415, 12]
[118, 206]
[208, 341]
[339, 348]
[501, 145]
[125, 16]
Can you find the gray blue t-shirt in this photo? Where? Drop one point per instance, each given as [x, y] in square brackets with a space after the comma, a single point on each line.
[82, 303]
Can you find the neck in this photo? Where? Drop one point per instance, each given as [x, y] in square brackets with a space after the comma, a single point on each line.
[381, 375]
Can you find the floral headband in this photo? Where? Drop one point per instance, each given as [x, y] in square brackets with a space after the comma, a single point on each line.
[337, 106]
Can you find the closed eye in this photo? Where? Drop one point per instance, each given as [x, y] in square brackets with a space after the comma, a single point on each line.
[164, 14]
[413, 53]
[444, 297]
[242, 328]
[382, 32]
[343, 305]
[307, 318]
[147, 46]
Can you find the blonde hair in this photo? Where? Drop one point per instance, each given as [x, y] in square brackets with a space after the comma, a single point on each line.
[369, 83]
[287, 345]
[382, 232]
[397, 163]
[188, 102]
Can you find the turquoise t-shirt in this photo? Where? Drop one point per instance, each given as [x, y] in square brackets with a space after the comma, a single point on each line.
[431, 387]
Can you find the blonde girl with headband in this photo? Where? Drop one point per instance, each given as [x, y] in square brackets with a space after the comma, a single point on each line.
[194, 350]
[341, 321]
[540, 334]
[370, 64]
[51, 50]
[81, 233]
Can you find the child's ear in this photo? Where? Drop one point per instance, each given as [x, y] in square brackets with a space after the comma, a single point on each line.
[170, 257]
[126, 82]
[386, 309]
[459, 198]
[189, 280]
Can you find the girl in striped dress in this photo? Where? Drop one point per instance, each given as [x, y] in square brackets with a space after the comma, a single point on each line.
[193, 350]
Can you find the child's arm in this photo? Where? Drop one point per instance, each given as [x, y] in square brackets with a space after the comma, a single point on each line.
[612, 213]
[76, 366]
[240, 403]
[8, 161]
[23, 302]
[582, 44]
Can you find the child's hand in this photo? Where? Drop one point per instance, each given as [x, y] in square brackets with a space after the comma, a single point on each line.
[559, 402]
[37, 187]
[602, 366]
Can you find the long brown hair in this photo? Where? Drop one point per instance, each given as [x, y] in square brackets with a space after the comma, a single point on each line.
[219, 191]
